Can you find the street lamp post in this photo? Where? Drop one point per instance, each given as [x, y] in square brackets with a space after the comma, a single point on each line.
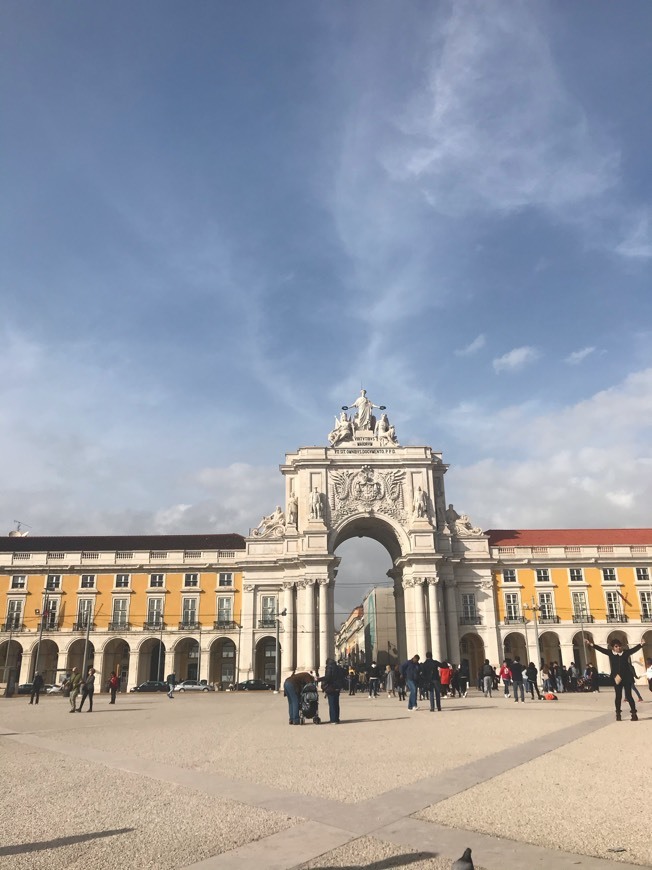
[89, 619]
[160, 645]
[535, 609]
[40, 635]
[278, 650]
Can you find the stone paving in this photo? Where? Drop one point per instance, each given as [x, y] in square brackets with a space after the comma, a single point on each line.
[220, 781]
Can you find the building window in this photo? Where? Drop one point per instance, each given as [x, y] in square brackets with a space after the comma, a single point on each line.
[88, 581]
[84, 612]
[53, 582]
[468, 606]
[579, 606]
[512, 606]
[546, 606]
[646, 606]
[509, 575]
[225, 579]
[191, 581]
[576, 575]
[189, 611]
[155, 611]
[268, 609]
[122, 581]
[543, 575]
[614, 607]
[14, 615]
[119, 616]
[643, 575]
[50, 614]
[19, 581]
[224, 609]
[609, 575]
[156, 581]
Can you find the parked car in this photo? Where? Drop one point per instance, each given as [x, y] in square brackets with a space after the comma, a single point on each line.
[254, 686]
[194, 686]
[24, 689]
[54, 690]
[151, 686]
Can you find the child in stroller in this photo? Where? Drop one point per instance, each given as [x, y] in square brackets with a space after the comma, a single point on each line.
[309, 704]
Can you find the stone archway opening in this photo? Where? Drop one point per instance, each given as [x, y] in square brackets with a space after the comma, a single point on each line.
[75, 658]
[580, 650]
[222, 663]
[514, 645]
[116, 659]
[45, 657]
[151, 660]
[550, 647]
[186, 659]
[472, 649]
[265, 663]
[11, 659]
[617, 634]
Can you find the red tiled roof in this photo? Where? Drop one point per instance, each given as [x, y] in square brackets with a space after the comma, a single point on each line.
[568, 537]
[103, 543]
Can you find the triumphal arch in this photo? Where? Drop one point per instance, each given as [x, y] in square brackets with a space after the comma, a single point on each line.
[364, 483]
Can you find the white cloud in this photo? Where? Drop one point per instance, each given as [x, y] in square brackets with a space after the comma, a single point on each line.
[578, 356]
[476, 345]
[638, 242]
[516, 359]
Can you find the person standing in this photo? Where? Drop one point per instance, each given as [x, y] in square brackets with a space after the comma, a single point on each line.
[445, 674]
[465, 677]
[75, 684]
[410, 671]
[531, 674]
[88, 690]
[114, 685]
[389, 682]
[399, 678]
[517, 679]
[430, 678]
[171, 680]
[621, 672]
[505, 675]
[488, 675]
[37, 685]
[374, 680]
[292, 690]
[331, 687]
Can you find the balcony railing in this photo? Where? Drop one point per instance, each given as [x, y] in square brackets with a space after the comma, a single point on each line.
[514, 620]
[119, 626]
[13, 625]
[157, 625]
[267, 623]
[583, 617]
[471, 620]
[646, 617]
[548, 620]
[225, 625]
[617, 617]
[188, 625]
[82, 626]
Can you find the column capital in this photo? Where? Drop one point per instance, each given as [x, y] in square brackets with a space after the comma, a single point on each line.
[433, 581]
[407, 582]
[249, 587]
[323, 581]
[288, 584]
[309, 581]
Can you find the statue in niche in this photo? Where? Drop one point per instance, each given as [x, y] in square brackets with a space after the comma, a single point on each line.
[420, 504]
[384, 433]
[363, 418]
[274, 524]
[343, 430]
[293, 510]
[460, 525]
[316, 505]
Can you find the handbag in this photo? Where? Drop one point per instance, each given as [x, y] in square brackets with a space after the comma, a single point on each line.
[618, 679]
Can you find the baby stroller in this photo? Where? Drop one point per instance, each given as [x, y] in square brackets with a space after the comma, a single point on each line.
[309, 704]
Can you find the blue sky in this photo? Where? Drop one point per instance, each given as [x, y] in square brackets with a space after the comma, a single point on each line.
[219, 220]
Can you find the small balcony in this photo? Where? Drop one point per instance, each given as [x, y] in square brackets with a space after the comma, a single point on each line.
[267, 623]
[617, 617]
[81, 626]
[549, 620]
[514, 620]
[189, 625]
[646, 617]
[13, 625]
[157, 625]
[583, 617]
[225, 625]
[119, 626]
[475, 619]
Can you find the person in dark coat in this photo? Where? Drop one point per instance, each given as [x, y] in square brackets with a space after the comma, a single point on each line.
[621, 672]
[37, 685]
[430, 681]
[331, 689]
[292, 690]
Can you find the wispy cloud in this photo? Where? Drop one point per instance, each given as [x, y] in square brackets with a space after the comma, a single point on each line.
[516, 359]
[578, 356]
[638, 242]
[476, 345]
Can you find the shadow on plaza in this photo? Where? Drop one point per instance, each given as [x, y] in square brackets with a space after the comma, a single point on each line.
[358, 721]
[24, 848]
[385, 864]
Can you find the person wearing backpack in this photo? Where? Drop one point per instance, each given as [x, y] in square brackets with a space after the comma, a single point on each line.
[332, 684]
[410, 670]
[488, 675]
[430, 681]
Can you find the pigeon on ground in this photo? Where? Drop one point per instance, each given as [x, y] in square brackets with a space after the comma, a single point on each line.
[463, 863]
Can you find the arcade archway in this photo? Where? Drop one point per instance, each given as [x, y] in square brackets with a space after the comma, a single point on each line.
[514, 645]
[265, 668]
[186, 659]
[45, 657]
[151, 660]
[222, 662]
[75, 657]
[550, 647]
[472, 649]
[116, 658]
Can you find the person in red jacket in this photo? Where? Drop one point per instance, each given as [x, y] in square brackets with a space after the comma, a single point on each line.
[445, 673]
[505, 675]
[114, 685]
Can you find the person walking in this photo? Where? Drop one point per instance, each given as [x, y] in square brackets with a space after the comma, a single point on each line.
[374, 680]
[455, 681]
[389, 682]
[411, 671]
[75, 684]
[114, 685]
[621, 672]
[399, 678]
[88, 690]
[445, 674]
[353, 681]
[517, 679]
[171, 680]
[465, 677]
[531, 674]
[488, 675]
[37, 685]
[505, 675]
[430, 679]
[292, 691]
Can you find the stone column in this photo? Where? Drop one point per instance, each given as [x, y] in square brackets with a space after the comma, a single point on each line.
[323, 623]
[420, 617]
[245, 654]
[204, 660]
[169, 662]
[287, 642]
[453, 654]
[309, 624]
[411, 639]
[434, 600]
[26, 666]
[399, 606]
[492, 648]
[331, 618]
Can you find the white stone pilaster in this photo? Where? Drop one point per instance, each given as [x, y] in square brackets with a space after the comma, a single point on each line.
[309, 624]
[434, 604]
[287, 644]
[323, 623]
[453, 653]
[420, 617]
